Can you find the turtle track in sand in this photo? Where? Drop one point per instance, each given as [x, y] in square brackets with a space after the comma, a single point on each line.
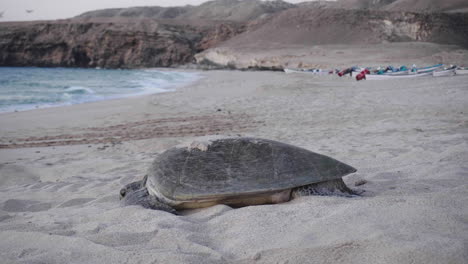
[139, 130]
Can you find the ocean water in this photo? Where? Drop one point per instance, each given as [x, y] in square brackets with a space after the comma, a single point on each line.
[31, 88]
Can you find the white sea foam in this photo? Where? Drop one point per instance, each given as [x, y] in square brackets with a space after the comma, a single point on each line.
[79, 90]
[31, 88]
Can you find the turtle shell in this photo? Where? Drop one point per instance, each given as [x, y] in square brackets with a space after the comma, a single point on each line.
[238, 166]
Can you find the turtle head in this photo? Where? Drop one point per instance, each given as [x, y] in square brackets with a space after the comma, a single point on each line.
[132, 187]
[123, 192]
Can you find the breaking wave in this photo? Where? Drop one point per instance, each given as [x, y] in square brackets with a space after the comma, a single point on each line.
[31, 88]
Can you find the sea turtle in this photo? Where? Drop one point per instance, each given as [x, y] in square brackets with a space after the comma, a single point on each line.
[237, 172]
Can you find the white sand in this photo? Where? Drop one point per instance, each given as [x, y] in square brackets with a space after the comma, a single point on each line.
[408, 139]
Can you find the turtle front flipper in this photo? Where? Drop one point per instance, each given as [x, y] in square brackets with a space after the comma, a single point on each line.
[136, 193]
[331, 187]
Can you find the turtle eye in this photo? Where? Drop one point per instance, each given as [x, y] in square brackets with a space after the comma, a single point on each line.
[123, 192]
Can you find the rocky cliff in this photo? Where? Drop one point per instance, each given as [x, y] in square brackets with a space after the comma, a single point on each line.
[404, 5]
[109, 42]
[130, 37]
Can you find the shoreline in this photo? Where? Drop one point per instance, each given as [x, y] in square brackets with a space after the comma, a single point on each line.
[168, 87]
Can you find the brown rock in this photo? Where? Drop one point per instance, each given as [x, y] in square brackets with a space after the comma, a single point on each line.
[108, 42]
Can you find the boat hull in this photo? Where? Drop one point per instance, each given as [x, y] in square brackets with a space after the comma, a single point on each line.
[461, 71]
[429, 69]
[394, 77]
[444, 73]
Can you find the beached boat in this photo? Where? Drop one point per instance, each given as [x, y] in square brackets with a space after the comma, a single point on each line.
[429, 68]
[288, 70]
[418, 70]
[388, 73]
[462, 71]
[398, 73]
[310, 71]
[445, 72]
[394, 77]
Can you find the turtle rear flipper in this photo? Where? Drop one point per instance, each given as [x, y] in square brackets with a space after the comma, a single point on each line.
[331, 187]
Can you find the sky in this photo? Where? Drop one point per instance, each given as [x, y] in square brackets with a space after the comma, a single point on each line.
[23, 10]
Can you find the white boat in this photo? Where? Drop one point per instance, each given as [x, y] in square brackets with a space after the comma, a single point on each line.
[394, 77]
[310, 71]
[429, 69]
[398, 73]
[441, 73]
[461, 71]
[355, 73]
[286, 70]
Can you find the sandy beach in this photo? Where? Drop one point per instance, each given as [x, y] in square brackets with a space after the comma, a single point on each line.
[61, 170]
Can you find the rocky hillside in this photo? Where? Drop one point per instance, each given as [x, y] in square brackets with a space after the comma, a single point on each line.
[310, 33]
[108, 43]
[155, 12]
[406, 5]
[428, 5]
[232, 10]
[316, 26]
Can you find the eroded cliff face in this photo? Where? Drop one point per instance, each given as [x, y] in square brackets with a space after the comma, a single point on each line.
[108, 43]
